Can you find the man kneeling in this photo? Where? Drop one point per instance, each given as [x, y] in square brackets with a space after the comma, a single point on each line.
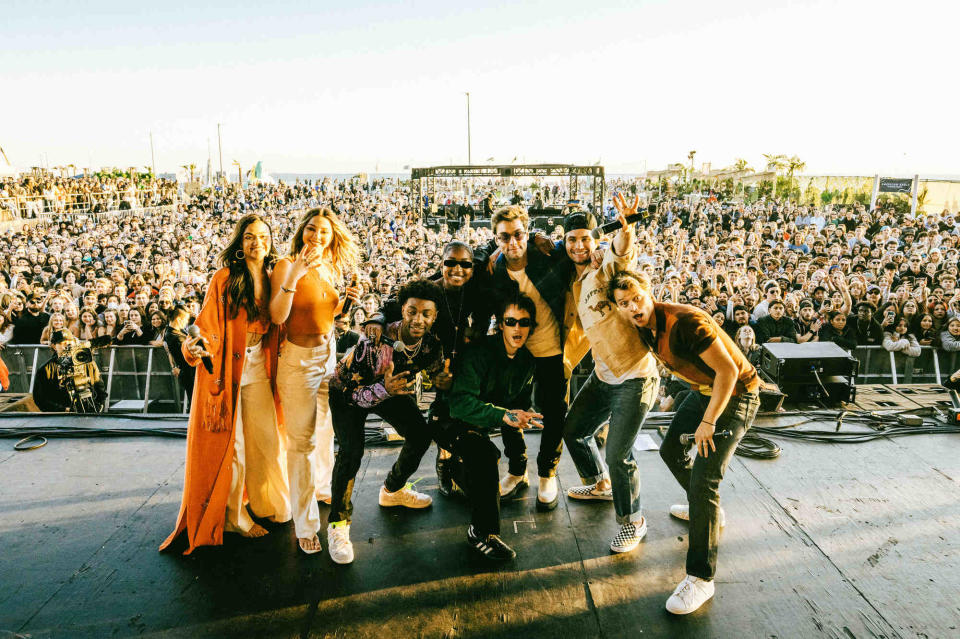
[492, 387]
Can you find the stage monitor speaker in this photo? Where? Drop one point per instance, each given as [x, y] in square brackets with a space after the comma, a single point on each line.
[17, 403]
[818, 371]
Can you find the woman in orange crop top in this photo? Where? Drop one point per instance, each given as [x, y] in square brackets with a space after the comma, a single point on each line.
[233, 442]
[305, 301]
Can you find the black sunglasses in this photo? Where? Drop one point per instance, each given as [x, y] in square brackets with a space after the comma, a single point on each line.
[467, 264]
[523, 322]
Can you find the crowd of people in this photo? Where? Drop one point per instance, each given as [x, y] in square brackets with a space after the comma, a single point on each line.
[35, 195]
[313, 321]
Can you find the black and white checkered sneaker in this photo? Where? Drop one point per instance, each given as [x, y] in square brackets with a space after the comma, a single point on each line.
[590, 492]
[629, 536]
[491, 546]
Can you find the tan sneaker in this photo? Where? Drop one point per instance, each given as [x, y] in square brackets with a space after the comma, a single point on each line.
[406, 497]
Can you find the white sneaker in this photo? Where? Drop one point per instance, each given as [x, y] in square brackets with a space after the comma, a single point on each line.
[406, 496]
[511, 485]
[338, 542]
[629, 536]
[547, 494]
[692, 593]
[682, 511]
[590, 492]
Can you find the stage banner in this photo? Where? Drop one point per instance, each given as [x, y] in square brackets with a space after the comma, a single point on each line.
[896, 185]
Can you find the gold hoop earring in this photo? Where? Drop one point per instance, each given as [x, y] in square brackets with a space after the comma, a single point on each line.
[239, 254]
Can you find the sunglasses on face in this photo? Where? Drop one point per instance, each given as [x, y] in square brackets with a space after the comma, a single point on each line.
[523, 322]
[464, 264]
[504, 238]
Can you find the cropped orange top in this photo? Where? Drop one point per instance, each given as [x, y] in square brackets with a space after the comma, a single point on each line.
[311, 312]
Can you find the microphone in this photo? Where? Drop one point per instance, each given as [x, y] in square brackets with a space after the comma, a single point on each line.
[194, 331]
[688, 438]
[348, 303]
[609, 227]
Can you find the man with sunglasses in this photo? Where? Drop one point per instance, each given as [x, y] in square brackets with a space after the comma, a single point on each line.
[623, 385]
[491, 390]
[545, 279]
[463, 314]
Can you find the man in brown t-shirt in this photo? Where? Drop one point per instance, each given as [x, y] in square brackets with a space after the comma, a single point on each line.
[688, 342]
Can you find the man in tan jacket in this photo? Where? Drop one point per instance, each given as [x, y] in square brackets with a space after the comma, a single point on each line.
[623, 384]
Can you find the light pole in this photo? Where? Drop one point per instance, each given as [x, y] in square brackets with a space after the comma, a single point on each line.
[220, 147]
[469, 155]
[153, 159]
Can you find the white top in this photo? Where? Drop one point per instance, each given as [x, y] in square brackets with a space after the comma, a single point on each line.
[544, 341]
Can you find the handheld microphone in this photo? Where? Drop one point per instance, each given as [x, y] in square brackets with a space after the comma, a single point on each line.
[348, 303]
[194, 331]
[688, 438]
[609, 227]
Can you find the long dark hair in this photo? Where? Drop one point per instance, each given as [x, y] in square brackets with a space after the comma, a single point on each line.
[240, 286]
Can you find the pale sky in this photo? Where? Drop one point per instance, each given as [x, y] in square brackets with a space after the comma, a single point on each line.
[851, 87]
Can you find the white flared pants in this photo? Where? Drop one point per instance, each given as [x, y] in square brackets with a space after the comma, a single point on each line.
[302, 381]
[258, 456]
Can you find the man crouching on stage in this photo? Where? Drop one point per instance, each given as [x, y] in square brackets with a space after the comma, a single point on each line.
[377, 376]
[493, 387]
[688, 342]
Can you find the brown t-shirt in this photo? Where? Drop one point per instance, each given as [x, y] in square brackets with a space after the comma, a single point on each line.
[683, 334]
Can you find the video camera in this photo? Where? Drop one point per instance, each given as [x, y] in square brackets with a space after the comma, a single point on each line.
[77, 372]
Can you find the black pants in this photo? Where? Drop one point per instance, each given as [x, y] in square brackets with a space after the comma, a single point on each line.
[550, 392]
[402, 413]
[700, 477]
[474, 468]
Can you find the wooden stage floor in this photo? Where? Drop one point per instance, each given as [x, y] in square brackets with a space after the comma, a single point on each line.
[826, 541]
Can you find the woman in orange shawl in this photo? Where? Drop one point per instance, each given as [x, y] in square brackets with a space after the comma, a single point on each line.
[234, 453]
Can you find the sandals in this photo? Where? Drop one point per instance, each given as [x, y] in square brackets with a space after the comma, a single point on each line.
[310, 551]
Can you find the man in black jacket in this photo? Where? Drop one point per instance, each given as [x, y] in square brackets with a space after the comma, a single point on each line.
[775, 327]
[869, 332]
[545, 279]
[491, 390]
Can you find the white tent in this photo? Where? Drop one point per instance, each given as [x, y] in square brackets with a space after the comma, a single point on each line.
[7, 170]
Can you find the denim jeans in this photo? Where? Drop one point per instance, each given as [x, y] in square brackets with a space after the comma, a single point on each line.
[549, 397]
[701, 476]
[626, 406]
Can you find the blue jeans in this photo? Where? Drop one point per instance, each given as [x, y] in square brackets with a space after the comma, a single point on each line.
[625, 405]
[701, 476]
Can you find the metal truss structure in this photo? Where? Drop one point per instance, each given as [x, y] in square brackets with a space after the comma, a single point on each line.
[425, 179]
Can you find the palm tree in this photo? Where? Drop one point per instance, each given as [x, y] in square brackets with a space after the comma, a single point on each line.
[189, 167]
[775, 162]
[690, 157]
[741, 165]
[793, 165]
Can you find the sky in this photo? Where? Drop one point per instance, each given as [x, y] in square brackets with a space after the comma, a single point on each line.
[851, 87]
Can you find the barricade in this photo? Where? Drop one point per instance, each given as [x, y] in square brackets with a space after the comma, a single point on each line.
[138, 379]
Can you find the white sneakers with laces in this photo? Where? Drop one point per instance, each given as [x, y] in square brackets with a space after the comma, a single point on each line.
[406, 497]
[338, 542]
[682, 511]
[689, 595]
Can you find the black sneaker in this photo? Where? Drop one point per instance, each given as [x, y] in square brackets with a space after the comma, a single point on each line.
[491, 547]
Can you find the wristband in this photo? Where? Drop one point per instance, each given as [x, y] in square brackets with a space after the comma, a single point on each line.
[288, 290]
[703, 421]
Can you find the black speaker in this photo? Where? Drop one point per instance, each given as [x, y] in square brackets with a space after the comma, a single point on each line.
[818, 371]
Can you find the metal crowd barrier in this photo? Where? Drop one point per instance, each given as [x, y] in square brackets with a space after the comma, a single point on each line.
[880, 366]
[138, 379]
[42, 208]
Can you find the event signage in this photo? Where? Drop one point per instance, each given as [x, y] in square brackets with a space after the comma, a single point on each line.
[896, 185]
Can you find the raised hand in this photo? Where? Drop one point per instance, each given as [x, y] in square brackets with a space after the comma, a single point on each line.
[397, 384]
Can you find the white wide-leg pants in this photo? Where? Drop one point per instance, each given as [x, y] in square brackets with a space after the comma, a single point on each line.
[302, 376]
[259, 467]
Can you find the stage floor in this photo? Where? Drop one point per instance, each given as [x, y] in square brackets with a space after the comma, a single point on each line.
[829, 540]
